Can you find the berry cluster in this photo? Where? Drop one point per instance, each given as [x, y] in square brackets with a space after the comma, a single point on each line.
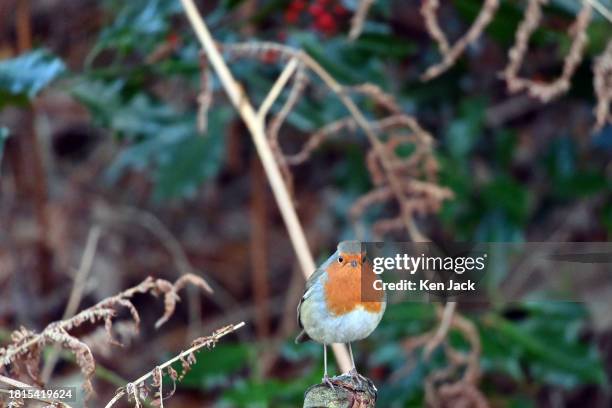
[325, 14]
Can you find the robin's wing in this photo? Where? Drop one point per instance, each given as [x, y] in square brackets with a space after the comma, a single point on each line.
[313, 278]
[309, 282]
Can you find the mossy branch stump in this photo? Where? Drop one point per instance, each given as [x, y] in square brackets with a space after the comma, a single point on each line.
[347, 393]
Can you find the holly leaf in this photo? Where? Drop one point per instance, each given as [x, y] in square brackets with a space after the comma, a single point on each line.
[28, 74]
[193, 160]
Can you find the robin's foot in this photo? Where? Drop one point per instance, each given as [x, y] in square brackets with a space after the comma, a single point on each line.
[358, 378]
[327, 381]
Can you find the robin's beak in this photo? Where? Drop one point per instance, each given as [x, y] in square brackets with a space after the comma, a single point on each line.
[354, 263]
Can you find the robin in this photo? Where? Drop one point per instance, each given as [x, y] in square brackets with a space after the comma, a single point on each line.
[333, 308]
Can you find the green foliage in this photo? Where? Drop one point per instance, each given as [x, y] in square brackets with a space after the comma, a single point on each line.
[503, 26]
[160, 137]
[103, 99]
[384, 44]
[547, 343]
[268, 393]
[138, 25]
[216, 367]
[169, 141]
[23, 77]
[407, 372]
[194, 159]
[351, 173]
[494, 207]
[508, 196]
[466, 130]
[572, 176]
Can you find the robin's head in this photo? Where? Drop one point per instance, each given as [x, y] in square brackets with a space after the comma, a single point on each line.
[351, 253]
[347, 271]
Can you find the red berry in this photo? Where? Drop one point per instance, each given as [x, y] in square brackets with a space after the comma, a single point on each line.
[339, 10]
[297, 5]
[327, 20]
[173, 39]
[270, 57]
[326, 23]
[291, 16]
[316, 10]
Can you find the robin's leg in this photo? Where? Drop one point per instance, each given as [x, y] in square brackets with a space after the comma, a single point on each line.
[326, 379]
[352, 358]
[353, 372]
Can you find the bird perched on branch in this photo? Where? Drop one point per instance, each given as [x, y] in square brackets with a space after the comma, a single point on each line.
[339, 304]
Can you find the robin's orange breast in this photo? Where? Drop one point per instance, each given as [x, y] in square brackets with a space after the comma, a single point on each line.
[343, 288]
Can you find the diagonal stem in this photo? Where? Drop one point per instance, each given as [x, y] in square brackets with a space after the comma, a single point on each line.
[607, 14]
[277, 88]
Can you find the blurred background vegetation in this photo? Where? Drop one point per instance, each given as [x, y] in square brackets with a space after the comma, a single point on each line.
[98, 103]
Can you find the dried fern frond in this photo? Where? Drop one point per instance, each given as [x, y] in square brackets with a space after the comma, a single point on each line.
[531, 20]
[377, 94]
[424, 198]
[456, 383]
[26, 346]
[450, 54]
[317, 138]
[141, 390]
[429, 11]
[602, 82]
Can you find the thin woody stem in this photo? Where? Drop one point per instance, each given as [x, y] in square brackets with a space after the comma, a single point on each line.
[601, 9]
[277, 88]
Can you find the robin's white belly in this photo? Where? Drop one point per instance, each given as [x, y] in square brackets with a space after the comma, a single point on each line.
[327, 328]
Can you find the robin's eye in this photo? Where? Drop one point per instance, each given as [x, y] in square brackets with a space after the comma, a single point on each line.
[363, 259]
[340, 259]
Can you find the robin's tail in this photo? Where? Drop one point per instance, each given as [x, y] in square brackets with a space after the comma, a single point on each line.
[302, 337]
